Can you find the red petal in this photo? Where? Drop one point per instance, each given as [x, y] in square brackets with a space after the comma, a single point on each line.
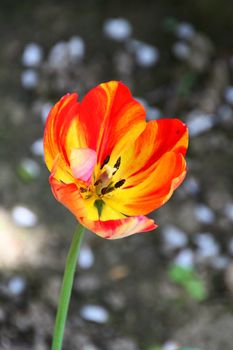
[110, 117]
[114, 229]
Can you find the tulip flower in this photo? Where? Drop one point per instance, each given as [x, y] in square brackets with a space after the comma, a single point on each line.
[110, 168]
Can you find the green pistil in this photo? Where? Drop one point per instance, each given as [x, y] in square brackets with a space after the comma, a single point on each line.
[99, 204]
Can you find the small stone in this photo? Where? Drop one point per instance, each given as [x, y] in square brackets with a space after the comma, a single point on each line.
[185, 31]
[142, 101]
[46, 108]
[145, 55]
[37, 147]
[225, 114]
[153, 113]
[76, 48]
[51, 289]
[16, 285]
[185, 258]
[228, 211]
[2, 315]
[94, 313]
[87, 283]
[29, 79]
[220, 262]
[173, 237]
[181, 50]
[198, 122]
[228, 94]
[229, 277]
[59, 56]
[118, 29]
[192, 186]
[29, 169]
[86, 258]
[230, 246]
[24, 217]
[170, 345]
[204, 214]
[123, 344]
[32, 55]
[90, 347]
[115, 300]
[207, 245]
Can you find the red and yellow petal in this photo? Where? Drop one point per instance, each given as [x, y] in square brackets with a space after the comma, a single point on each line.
[153, 190]
[57, 124]
[111, 118]
[140, 159]
[114, 229]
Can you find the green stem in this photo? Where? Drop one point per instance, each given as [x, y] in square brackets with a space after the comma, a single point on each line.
[66, 288]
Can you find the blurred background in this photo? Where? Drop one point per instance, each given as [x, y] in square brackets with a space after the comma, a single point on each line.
[162, 290]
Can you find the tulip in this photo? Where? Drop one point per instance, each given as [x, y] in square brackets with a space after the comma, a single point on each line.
[109, 166]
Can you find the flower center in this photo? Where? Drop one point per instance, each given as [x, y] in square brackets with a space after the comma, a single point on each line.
[105, 182]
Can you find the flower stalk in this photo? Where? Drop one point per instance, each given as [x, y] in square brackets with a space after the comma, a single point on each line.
[66, 288]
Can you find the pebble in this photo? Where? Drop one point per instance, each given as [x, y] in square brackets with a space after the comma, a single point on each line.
[170, 345]
[29, 79]
[185, 31]
[204, 214]
[220, 262]
[225, 114]
[37, 147]
[76, 48]
[90, 347]
[86, 257]
[207, 245]
[228, 211]
[123, 344]
[87, 283]
[30, 167]
[230, 246]
[153, 113]
[32, 55]
[192, 186]
[228, 95]
[118, 29]
[116, 300]
[2, 315]
[181, 50]
[229, 277]
[24, 217]
[58, 55]
[198, 122]
[94, 313]
[142, 101]
[145, 55]
[16, 285]
[173, 237]
[185, 258]
[46, 107]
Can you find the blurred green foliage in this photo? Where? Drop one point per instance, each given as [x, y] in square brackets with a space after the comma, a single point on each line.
[189, 280]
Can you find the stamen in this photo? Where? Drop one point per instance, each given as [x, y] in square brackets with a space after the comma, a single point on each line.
[119, 183]
[105, 162]
[97, 182]
[117, 165]
[107, 190]
[82, 189]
